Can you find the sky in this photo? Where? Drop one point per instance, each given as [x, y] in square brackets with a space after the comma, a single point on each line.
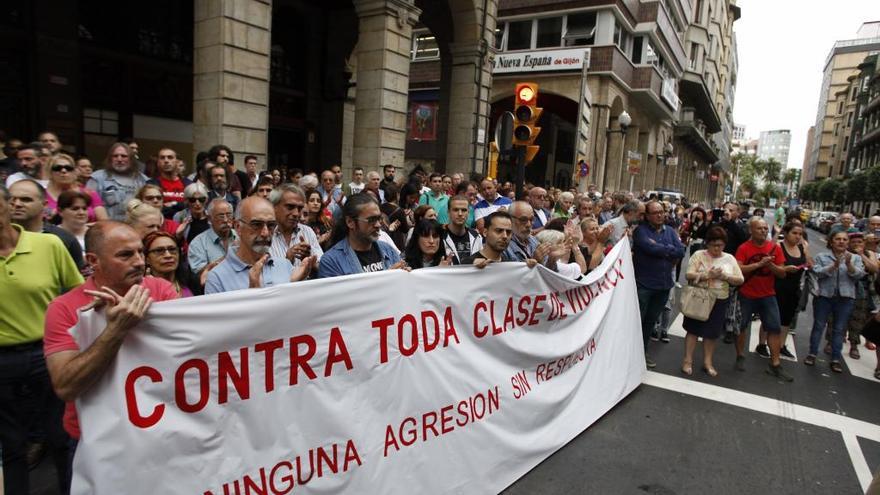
[782, 48]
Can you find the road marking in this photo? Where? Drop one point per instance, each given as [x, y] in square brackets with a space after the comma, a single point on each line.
[754, 334]
[864, 367]
[850, 428]
[863, 472]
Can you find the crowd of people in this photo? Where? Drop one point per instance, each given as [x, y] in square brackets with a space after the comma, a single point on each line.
[131, 233]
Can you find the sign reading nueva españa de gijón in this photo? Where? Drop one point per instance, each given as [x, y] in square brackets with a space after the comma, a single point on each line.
[541, 60]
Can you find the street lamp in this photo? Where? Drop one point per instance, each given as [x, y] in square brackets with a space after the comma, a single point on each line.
[624, 121]
[667, 153]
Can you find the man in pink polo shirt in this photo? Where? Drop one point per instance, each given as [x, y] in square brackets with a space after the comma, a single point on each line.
[118, 284]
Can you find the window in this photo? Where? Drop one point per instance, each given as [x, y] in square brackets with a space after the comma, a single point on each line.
[855, 92]
[698, 12]
[849, 119]
[846, 142]
[621, 38]
[499, 35]
[695, 53]
[836, 128]
[549, 32]
[425, 46]
[840, 107]
[519, 35]
[580, 29]
[637, 51]
[833, 149]
[97, 121]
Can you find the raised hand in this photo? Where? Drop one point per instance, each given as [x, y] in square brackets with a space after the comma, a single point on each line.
[255, 274]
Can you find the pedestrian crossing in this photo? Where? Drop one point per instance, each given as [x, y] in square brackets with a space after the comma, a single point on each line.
[861, 368]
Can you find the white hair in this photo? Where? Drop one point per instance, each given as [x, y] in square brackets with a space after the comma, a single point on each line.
[308, 182]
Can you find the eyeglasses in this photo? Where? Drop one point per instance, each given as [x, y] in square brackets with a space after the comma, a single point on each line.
[66, 168]
[525, 219]
[153, 198]
[370, 220]
[259, 225]
[163, 250]
[199, 199]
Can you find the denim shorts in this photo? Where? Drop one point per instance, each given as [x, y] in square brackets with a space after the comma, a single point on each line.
[765, 307]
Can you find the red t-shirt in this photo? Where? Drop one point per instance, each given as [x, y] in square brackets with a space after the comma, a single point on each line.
[172, 190]
[63, 314]
[761, 282]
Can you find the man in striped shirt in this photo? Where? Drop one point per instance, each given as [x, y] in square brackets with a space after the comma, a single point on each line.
[491, 202]
[291, 240]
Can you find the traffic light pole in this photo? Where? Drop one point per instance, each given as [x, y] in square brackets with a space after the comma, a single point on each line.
[519, 160]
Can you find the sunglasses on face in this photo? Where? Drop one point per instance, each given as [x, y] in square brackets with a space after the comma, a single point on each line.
[370, 220]
[163, 250]
[66, 168]
[200, 200]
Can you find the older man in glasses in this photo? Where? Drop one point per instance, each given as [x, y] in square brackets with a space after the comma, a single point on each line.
[251, 266]
[210, 247]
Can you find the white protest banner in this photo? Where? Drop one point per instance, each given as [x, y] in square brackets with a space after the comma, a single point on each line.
[447, 380]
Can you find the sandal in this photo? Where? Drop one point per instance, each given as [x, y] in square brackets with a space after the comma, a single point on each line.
[710, 371]
[854, 352]
[836, 367]
[810, 360]
[687, 367]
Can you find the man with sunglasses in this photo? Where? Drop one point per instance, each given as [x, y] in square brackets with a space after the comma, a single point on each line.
[171, 182]
[360, 251]
[251, 266]
[209, 247]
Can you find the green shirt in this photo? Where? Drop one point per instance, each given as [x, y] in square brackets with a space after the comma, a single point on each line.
[37, 271]
[439, 203]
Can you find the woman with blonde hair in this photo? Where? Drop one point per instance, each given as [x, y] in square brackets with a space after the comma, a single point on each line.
[562, 250]
[143, 217]
[63, 177]
[152, 195]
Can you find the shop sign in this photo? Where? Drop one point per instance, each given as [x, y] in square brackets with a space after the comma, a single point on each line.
[541, 60]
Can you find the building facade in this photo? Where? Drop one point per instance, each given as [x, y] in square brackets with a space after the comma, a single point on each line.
[367, 82]
[835, 112]
[775, 144]
[864, 151]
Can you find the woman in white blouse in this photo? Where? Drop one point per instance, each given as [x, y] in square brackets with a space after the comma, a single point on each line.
[717, 270]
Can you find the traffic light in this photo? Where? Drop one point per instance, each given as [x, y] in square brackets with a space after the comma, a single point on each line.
[526, 114]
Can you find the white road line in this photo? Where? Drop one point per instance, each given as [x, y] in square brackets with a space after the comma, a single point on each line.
[850, 428]
[676, 327]
[754, 334]
[863, 472]
[864, 367]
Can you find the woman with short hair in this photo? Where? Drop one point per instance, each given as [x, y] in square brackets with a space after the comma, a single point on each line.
[194, 217]
[142, 217]
[73, 212]
[717, 271]
[837, 274]
[152, 195]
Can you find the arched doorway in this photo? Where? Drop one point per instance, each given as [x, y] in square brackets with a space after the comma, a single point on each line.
[553, 165]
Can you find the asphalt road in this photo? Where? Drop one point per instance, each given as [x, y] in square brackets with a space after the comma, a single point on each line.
[741, 432]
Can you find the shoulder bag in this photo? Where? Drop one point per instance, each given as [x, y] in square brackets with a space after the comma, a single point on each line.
[697, 302]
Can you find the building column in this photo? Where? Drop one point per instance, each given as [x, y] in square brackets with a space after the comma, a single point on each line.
[469, 107]
[231, 75]
[383, 56]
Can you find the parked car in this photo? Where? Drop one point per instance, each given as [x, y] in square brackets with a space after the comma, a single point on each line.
[826, 221]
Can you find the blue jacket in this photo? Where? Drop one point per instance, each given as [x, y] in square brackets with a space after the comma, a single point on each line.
[342, 260]
[837, 282]
[655, 255]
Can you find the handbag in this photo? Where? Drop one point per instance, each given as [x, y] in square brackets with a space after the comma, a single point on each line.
[697, 302]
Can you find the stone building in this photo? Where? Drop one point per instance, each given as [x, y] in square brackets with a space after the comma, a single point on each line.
[864, 150]
[307, 84]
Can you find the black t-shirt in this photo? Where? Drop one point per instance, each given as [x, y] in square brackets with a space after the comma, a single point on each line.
[196, 227]
[462, 245]
[371, 261]
[479, 256]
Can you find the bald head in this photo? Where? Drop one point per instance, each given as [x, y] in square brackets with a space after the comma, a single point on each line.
[758, 229]
[100, 232]
[115, 251]
[255, 228]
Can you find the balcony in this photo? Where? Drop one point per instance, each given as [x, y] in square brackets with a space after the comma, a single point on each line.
[694, 132]
[872, 104]
[655, 12]
[870, 136]
[694, 93]
[645, 81]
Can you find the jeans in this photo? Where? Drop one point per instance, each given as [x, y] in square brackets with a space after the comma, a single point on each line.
[766, 308]
[823, 307]
[651, 303]
[26, 398]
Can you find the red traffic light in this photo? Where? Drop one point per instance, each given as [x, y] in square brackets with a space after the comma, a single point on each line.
[526, 94]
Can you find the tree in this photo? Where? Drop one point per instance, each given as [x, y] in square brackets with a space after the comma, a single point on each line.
[872, 187]
[827, 190]
[743, 166]
[808, 191]
[770, 170]
[857, 187]
[790, 177]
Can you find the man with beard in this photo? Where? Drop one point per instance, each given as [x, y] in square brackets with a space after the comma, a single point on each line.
[499, 232]
[31, 160]
[171, 182]
[219, 177]
[251, 266]
[118, 181]
[356, 245]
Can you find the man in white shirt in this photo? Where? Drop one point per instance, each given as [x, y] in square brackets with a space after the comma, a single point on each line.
[357, 182]
[290, 239]
[630, 215]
